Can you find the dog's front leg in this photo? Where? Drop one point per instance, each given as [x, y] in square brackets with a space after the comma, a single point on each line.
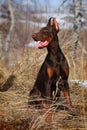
[47, 102]
[48, 83]
[67, 97]
[67, 94]
[48, 89]
[50, 73]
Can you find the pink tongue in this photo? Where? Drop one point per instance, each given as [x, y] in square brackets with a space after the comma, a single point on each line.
[42, 44]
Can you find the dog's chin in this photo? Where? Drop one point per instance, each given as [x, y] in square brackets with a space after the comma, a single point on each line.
[42, 44]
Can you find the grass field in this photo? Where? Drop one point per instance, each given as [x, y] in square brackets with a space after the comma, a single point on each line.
[14, 111]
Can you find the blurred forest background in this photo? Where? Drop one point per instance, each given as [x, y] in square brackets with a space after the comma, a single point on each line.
[19, 19]
[20, 61]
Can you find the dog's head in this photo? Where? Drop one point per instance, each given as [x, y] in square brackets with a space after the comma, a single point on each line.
[45, 36]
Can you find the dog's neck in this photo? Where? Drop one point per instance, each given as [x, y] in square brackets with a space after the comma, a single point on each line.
[54, 47]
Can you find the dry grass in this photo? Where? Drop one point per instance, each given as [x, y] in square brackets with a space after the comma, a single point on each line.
[14, 111]
[16, 83]
[74, 47]
[15, 114]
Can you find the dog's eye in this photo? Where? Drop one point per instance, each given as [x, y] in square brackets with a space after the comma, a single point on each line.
[46, 33]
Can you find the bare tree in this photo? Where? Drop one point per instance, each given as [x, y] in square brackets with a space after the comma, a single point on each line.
[8, 39]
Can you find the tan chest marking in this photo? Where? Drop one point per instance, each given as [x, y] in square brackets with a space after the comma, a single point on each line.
[50, 71]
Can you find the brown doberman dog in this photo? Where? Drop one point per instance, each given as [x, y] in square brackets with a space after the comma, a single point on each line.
[53, 75]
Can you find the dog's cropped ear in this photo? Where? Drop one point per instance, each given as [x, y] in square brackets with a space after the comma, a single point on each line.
[55, 23]
[52, 22]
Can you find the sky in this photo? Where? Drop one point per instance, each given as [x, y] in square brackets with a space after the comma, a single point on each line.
[55, 3]
[52, 3]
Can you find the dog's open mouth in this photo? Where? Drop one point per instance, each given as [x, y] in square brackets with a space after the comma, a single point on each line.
[42, 44]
